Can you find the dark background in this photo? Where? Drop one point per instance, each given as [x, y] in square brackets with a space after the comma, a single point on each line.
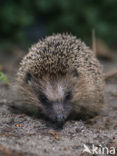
[23, 22]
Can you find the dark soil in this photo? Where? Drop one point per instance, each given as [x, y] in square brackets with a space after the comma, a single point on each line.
[22, 135]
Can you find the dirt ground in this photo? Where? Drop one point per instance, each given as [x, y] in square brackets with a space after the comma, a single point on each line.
[22, 135]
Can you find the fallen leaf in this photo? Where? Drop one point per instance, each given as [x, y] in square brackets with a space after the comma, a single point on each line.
[18, 125]
[54, 134]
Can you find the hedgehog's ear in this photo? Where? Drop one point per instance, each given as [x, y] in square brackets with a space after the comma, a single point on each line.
[28, 78]
[75, 73]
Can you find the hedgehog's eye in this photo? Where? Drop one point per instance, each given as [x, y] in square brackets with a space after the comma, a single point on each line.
[75, 73]
[43, 99]
[68, 95]
[28, 78]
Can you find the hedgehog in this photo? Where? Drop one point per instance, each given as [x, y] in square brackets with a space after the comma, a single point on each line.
[60, 78]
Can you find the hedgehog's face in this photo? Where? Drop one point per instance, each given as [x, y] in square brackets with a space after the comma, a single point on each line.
[55, 96]
[56, 103]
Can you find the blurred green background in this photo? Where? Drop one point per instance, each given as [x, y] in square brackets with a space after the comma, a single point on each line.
[25, 21]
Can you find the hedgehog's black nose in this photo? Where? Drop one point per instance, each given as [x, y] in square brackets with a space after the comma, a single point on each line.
[60, 118]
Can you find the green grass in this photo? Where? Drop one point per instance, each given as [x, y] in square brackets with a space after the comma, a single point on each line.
[3, 77]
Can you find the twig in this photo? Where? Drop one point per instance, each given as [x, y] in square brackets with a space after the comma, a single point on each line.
[93, 41]
[110, 74]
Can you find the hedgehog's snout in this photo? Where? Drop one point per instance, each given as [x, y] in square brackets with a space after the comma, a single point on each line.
[59, 112]
[60, 118]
